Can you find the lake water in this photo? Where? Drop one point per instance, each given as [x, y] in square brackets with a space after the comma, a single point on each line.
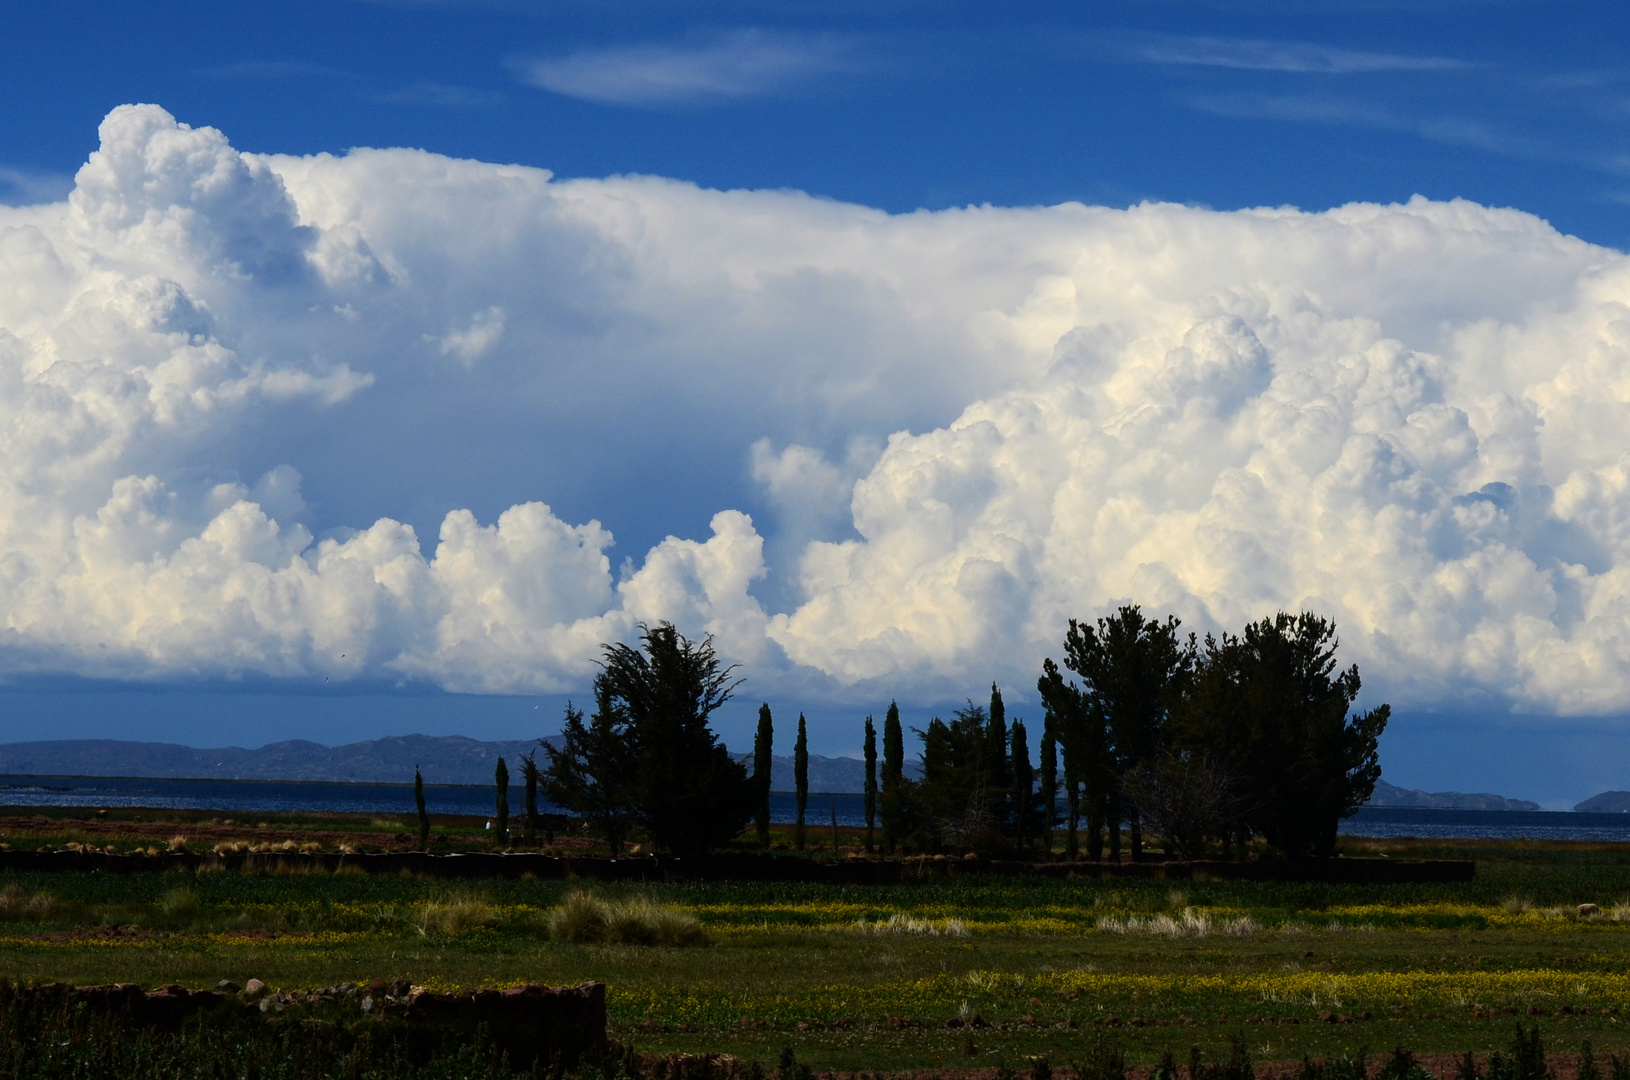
[267, 796]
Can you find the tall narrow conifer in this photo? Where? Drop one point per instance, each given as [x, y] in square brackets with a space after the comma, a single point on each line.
[424, 818]
[995, 774]
[871, 784]
[763, 762]
[1024, 783]
[894, 761]
[800, 779]
[529, 824]
[500, 779]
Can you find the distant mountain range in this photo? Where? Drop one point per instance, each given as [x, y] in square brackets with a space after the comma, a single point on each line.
[445, 759]
[1388, 795]
[454, 759]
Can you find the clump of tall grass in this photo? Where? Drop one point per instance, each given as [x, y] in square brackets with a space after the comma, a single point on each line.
[454, 915]
[584, 918]
[1187, 923]
[18, 906]
[178, 904]
[910, 925]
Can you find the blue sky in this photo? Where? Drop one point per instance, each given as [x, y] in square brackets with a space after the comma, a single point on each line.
[894, 105]
[396, 340]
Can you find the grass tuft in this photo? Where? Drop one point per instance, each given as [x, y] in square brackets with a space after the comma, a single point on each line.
[586, 919]
[455, 915]
[18, 906]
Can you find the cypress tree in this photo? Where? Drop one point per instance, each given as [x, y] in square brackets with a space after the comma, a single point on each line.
[871, 783]
[894, 766]
[763, 761]
[424, 818]
[689, 793]
[1024, 783]
[1049, 784]
[500, 777]
[800, 779]
[529, 826]
[996, 777]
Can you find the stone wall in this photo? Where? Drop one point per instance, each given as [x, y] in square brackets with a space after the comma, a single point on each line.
[529, 1022]
[742, 867]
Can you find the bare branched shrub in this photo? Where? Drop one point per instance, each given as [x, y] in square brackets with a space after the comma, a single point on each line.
[1186, 798]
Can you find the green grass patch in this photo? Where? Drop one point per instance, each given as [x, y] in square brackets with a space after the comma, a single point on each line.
[948, 973]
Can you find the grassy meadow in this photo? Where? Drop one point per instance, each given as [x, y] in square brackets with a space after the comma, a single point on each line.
[946, 973]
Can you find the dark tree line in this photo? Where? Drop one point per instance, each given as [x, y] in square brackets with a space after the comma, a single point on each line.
[1199, 742]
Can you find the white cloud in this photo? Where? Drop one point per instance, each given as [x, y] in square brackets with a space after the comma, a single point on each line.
[486, 329]
[1412, 417]
[1299, 57]
[742, 63]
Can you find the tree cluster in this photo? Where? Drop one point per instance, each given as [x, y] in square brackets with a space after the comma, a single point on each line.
[1235, 736]
[1203, 743]
[977, 787]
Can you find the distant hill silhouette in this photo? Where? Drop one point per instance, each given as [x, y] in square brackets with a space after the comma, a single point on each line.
[1608, 802]
[454, 759]
[445, 759]
[1388, 795]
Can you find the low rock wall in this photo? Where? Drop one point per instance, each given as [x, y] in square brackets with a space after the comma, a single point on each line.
[744, 867]
[529, 1023]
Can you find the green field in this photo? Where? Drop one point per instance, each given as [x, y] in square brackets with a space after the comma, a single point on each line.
[954, 973]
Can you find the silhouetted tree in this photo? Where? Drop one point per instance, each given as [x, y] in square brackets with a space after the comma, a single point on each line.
[424, 817]
[955, 793]
[1131, 670]
[1023, 799]
[1049, 783]
[1272, 706]
[894, 810]
[500, 778]
[690, 794]
[871, 784]
[763, 762]
[800, 780]
[591, 774]
[529, 774]
[993, 763]
[1088, 770]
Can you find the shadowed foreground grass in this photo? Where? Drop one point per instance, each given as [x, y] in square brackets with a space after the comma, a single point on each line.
[951, 973]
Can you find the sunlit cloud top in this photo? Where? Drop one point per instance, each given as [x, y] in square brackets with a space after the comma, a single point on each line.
[226, 377]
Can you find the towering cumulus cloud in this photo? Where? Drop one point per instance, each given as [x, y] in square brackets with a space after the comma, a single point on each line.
[971, 426]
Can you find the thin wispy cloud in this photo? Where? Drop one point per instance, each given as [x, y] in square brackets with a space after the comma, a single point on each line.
[24, 187]
[739, 64]
[367, 87]
[1253, 54]
[1453, 130]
